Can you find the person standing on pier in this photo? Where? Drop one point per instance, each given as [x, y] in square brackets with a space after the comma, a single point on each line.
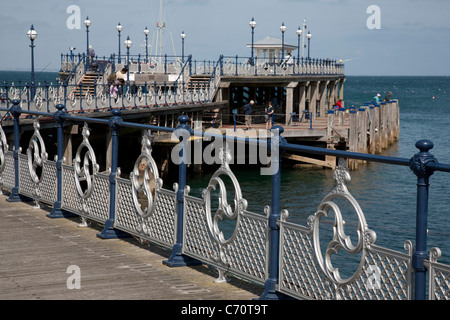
[388, 97]
[376, 99]
[248, 109]
[91, 54]
[269, 115]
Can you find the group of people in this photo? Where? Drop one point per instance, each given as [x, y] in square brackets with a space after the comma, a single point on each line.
[116, 80]
[268, 114]
[376, 99]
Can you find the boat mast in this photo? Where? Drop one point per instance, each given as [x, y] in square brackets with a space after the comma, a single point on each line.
[160, 25]
[303, 38]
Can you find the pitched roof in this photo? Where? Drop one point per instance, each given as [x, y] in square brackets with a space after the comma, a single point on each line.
[270, 42]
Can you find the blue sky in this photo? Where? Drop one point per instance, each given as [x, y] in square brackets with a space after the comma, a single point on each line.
[414, 38]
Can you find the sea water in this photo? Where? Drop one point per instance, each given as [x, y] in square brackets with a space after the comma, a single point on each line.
[385, 193]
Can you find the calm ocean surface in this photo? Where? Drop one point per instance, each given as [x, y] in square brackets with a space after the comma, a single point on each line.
[386, 193]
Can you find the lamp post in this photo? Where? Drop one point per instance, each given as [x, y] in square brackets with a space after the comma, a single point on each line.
[119, 28]
[87, 23]
[146, 32]
[283, 30]
[183, 36]
[299, 34]
[128, 44]
[253, 25]
[309, 40]
[32, 34]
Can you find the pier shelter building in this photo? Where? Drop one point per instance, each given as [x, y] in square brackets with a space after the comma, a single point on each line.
[270, 48]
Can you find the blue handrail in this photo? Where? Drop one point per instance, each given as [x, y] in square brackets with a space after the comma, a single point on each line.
[423, 165]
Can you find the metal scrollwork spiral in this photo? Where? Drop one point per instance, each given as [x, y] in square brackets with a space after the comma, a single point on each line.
[36, 154]
[3, 149]
[145, 180]
[340, 240]
[85, 166]
[224, 209]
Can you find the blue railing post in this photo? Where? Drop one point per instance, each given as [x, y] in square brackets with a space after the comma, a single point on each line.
[57, 212]
[115, 122]
[275, 213]
[16, 111]
[418, 165]
[177, 259]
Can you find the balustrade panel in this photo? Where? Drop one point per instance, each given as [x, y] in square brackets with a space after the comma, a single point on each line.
[439, 277]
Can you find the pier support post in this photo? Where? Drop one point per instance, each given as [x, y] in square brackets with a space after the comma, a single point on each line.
[290, 101]
[322, 97]
[313, 99]
[302, 88]
[418, 166]
[16, 111]
[115, 122]
[177, 259]
[275, 213]
[57, 212]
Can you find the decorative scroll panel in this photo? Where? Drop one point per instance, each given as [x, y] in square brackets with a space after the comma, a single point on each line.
[310, 268]
[224, 234]
[144, 208]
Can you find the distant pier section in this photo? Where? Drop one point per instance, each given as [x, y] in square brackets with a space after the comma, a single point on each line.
[157, 89]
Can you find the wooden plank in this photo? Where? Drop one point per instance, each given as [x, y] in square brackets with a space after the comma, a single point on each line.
[36, 252]
[329, 163]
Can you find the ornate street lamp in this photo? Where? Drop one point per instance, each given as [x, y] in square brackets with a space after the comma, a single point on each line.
[87, 23]
[299, 34]
[128, 44]
[283, 30]
[253, 25]
[119, 28]
[146, 32]
[309, 39]
[32, 34]
[183, 36]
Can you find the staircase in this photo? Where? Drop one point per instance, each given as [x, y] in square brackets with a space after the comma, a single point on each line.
[86, 85]
[198, 81]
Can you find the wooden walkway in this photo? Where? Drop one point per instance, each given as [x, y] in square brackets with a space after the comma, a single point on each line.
[36, 252]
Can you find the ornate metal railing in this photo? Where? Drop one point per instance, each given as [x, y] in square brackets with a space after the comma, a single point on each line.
[144, 95]
[285, 258]
[242, 66]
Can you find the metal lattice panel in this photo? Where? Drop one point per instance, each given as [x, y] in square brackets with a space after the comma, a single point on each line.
[126, 219]
[386, 275]
[197, 242]
[439, 277]
[248, 253]
[158, 227]
[44, 190]
[26, 184]
[8, 177]
[161, 225]
[300, 274]
[49, 183]
[71, 201]
[97, 205]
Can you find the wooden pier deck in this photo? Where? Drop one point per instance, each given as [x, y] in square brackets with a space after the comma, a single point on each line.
[297, 130]
[37, 251]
